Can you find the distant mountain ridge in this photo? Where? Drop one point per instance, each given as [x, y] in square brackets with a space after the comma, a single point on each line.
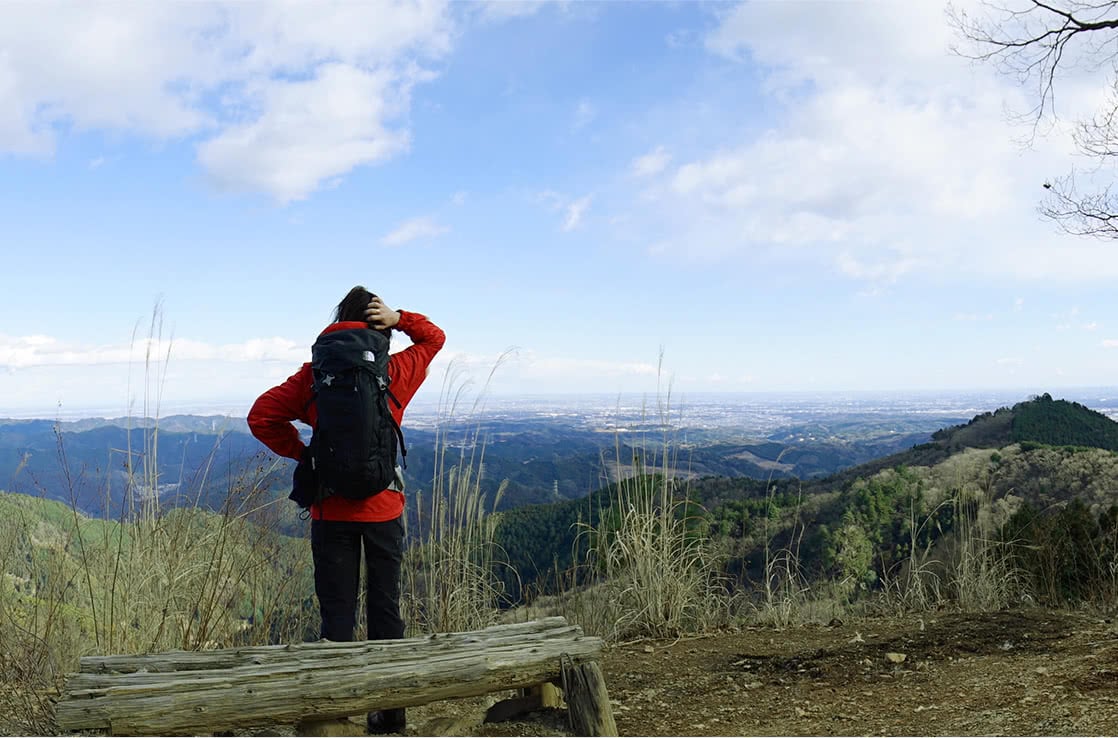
[544, 458]
[206, 424]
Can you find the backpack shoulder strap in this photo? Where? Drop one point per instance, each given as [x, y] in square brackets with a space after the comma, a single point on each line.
[396, 427]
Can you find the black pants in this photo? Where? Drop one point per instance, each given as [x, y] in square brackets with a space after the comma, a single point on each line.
[336, 547]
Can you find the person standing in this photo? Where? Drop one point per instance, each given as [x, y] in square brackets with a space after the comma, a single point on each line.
[342, 528]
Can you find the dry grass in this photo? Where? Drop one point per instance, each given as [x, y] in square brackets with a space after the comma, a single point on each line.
[969, 567]
[984, 575]
[449, 581]
[165, 574]
[179, 578]
[786, 595]
[654, 571]
[917, 584]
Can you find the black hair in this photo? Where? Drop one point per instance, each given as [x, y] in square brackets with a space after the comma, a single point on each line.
[352, 307]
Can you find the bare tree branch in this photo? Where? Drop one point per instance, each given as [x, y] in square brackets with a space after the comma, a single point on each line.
[1094, 215]
[1032, 41]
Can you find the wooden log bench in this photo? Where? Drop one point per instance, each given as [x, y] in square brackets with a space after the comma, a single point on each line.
[193, 692]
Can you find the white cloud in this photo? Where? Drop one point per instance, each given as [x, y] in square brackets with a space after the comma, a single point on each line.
[1110, 343]
[25, 352]
[574, 212]
[880, 170]
[284, 97]
[651, 163]
[850, 153]
[888, 269]
[501, 10]
[412, 230]
[42, 372]
[310, 132]
[817, 44]
[852, 174]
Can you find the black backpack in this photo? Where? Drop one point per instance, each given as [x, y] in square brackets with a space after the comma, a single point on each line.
[354, 446]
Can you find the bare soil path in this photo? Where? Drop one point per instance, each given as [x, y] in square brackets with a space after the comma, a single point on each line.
[1035, 672]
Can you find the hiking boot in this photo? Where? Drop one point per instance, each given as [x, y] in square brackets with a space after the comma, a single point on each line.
[383, 722]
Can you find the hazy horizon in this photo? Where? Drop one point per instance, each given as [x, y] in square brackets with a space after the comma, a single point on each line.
[956, 400]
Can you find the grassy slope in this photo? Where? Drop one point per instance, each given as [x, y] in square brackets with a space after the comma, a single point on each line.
[186, 579]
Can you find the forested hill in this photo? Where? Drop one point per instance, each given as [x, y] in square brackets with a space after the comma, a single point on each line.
[538, 537]
[1041, 420]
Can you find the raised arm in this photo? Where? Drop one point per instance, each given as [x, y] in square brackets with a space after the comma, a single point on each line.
[408, 367]
[273, 413]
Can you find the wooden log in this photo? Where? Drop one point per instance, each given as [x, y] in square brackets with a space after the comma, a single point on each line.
[587, 700]
[355, 654]
[549, 694]
[233, 657]
[317, 681]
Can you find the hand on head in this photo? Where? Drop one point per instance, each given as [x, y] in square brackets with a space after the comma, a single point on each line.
[380, 316]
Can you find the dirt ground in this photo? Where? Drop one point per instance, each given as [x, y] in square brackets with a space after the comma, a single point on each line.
[1034, 672]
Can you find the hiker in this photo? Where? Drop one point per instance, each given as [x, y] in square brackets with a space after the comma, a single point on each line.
[341, 526]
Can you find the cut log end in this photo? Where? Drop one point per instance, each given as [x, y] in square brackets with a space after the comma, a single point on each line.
[587, 700]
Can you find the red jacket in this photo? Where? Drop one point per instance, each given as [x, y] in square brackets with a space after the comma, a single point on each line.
[271, 416]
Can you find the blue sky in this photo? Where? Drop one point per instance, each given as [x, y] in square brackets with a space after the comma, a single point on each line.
[780, 196]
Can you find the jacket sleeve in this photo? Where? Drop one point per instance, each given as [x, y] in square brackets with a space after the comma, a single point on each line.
[271, 416]
[409, 367]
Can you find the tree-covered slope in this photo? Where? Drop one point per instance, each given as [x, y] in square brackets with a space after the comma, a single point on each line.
[1062, 423]
[1058, 450]
[1039, 420]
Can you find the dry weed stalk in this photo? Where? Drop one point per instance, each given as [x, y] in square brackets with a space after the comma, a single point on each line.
[919, 585]
[984, 576]
[786, 593]
[657, 577]
[449, 580]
